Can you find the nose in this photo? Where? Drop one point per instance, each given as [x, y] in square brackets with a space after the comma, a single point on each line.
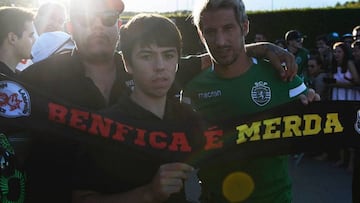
[159, 64]
[97, 22]
[220, 39]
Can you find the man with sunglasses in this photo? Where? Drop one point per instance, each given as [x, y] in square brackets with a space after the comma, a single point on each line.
[92, 76]
[294, 40]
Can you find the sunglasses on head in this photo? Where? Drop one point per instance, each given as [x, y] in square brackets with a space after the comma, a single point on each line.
[108, 18]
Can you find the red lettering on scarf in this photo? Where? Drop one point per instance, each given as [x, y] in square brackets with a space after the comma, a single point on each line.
[100, 125]
[57, 113]
[121, 129]
[213, 139]
[154, 141]
[78, 118]
[140, 138]
[179, 139]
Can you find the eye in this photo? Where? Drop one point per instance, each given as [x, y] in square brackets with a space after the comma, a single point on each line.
[209, 32]
[228, 27]
[169, 55]
[145, 57]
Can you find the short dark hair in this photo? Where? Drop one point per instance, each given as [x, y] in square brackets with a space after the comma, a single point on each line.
[13, 19]
[147, 29]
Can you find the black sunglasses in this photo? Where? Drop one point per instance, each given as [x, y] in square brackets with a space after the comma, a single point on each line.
[108, 18]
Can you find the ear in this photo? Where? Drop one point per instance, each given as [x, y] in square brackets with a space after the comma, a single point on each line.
[69, 27]
[246, 27]
[12, 38]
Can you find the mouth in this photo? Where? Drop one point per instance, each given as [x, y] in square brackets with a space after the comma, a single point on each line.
[222, 51]
[98, 37]
[161, 82]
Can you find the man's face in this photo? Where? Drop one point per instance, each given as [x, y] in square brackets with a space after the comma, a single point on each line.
[222, 35]
[153, 69]
[259, 38]
[54, 21]
[24, 43]
[296, 43]
[95, 31]
[321, 46]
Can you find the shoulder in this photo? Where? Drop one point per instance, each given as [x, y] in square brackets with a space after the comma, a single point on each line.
[50, 68]
[181, 111]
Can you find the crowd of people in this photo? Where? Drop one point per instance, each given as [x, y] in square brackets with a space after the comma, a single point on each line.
[79, 64]
[332, 68]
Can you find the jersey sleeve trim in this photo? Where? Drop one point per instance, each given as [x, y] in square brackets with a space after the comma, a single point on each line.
[297, 90]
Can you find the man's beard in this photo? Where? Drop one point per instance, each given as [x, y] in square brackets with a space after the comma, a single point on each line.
[99, 57]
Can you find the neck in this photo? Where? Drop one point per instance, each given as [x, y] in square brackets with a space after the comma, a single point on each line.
[8, 58]
[103, 75]
[156, 105]
[239, 67]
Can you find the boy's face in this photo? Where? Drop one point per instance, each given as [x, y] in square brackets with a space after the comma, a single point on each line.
[24, 43]
[153, 69]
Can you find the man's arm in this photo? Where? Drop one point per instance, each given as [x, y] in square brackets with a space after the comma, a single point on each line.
[277, 57]
[168, 180]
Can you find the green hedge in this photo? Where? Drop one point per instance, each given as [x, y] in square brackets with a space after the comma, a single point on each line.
[311, 22]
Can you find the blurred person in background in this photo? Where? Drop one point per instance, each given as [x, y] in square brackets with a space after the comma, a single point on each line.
[260, 37]
[356, 173]
[294, 43]
[16, 39]
[348, 39]
[346, 77]
[49, 17]
[325, 51]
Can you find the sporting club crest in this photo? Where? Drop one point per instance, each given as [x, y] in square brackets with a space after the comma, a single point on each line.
[261, 93]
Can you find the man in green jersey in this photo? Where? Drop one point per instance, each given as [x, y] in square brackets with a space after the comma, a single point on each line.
[233, 86]
[294, 40]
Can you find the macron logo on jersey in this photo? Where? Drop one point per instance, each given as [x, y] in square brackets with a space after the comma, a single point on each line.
[208, 95]
[202, 96]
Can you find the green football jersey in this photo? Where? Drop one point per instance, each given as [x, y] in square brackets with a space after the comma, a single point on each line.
[259, 89]
[301, 58]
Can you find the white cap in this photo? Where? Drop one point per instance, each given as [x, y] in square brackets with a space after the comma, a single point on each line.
[50, 43]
